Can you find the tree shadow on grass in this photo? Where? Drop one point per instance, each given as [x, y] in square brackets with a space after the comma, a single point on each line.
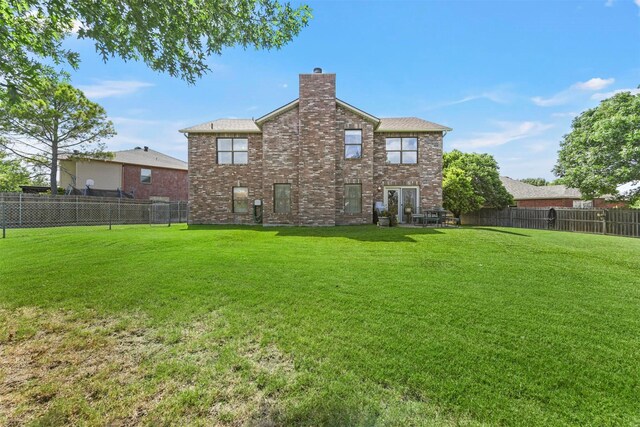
[363, 233]
[495, 230]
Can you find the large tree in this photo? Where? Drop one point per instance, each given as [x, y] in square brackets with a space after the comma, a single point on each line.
[458, 194]
[171, 36]
[602, 151]
[52, 120]
[482, 172]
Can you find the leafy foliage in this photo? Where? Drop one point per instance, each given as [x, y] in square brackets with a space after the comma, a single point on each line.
[170, 36]
[52, 120]
[458, 193]
[12, 174]
[470, 181]
[603, 149]
[538, 182]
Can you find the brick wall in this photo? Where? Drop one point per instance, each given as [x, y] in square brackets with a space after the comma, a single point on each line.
[171, 183]
[545, 203]
[566, 203]
[211, 185]
[281, 151]
[426, 174]
[317, 162]
[304, 147]
[354, 171]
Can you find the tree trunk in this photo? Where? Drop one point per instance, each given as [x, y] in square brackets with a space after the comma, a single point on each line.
[53, 176]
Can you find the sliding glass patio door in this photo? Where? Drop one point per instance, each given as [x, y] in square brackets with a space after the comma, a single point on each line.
[399, 200]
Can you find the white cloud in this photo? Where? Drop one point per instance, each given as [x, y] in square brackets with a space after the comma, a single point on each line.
[609, 3]
[110, 88]
[500, 96]
[575, 90]
[284, 85]
[565, 114]
[595, 83]
[637, 2]
[600, 96]
[509, 132]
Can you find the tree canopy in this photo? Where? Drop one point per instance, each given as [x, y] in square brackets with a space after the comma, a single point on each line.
[12, 174]
[52, 120]
[481, 172]
[538, 182]
[458, 194]
[170, 36]
[602, 151]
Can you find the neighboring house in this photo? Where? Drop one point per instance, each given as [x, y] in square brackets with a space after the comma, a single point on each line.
[146, 173]
[548, 196]
[314, 161]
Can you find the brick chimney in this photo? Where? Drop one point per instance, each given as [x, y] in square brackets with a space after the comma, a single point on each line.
[317, 178]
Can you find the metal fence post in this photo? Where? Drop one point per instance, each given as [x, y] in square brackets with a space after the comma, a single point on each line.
[20, 211]
[169, 215]
[109, 216]
[4, 219]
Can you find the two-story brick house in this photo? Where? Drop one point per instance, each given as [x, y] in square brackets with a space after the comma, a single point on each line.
[314, 161]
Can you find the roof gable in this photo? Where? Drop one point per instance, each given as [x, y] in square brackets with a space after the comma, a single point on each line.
[278, 111]
[358, 111]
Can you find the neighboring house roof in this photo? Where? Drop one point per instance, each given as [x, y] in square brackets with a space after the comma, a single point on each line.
[523, 191]
[394, 124]
[143, 157]
[225, 125]
[139, 156]
[408, 124]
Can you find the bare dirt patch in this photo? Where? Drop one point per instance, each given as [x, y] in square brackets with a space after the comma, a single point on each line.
[62, 367]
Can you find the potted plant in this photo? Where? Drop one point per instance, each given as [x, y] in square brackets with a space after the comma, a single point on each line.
[386, 219]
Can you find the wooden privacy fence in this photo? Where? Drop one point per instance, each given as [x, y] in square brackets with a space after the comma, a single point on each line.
[619, 222]
[19, 210]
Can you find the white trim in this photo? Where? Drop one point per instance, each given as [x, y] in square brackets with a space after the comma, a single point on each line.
[418, 130]
[400, 205]
[358, 111]
[277, 111]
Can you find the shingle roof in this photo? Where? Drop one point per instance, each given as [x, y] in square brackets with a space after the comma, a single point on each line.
[523, 191]
[224, 125]
[390, 124]
[408, 124]
[138, 156]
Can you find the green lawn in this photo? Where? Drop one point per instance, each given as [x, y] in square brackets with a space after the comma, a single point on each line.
[322, 326]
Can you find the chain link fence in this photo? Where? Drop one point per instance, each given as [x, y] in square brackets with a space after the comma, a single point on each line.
[18, 210]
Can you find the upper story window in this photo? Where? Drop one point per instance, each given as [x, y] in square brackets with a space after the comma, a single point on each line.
[145, 176]
[353, 144]
[402, 150]
[233, 151]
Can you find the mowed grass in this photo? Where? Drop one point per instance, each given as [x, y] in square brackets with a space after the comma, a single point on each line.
[321, 326]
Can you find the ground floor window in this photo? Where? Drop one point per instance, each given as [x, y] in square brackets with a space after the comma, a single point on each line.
[352, 198]
[282, 198]
[240, 200]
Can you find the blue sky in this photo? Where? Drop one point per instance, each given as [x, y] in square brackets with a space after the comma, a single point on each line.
[507, 76]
